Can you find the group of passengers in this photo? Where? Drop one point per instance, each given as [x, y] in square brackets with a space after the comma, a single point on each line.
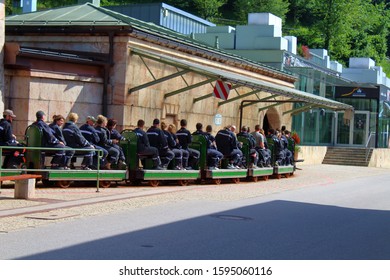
[280, 139]
[162, 142]
[97, 134]
[165, 146]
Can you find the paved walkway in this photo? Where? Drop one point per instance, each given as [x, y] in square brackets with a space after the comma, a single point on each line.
[57, 205]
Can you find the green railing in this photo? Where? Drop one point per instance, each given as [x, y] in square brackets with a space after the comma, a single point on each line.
[33, 161]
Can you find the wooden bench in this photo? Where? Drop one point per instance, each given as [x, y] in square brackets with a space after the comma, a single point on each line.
[24, 184]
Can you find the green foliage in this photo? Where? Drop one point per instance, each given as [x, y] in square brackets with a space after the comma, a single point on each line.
[208, 9]
[48, 4]
[386, 65]
[346, 28]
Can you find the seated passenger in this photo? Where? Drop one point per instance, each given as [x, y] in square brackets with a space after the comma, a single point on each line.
[143, 145]
[254, 155]
[13, 158]
[213, 155]
[264, 151]
[278, 147]
[288, 153]
[185, 154]
[172, 145]
[158, 140]
[92, 136]
[185, 138]
[115, 136]
[228, 145]
[56, 128]
[105, 142]
[49, 140]
[75, 139]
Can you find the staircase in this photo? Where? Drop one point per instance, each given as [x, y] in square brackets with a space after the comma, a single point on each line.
[348, 156]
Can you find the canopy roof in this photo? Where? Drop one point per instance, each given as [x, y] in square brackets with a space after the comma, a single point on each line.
[257, 85]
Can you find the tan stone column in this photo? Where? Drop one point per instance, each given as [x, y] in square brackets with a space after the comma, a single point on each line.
[2, 39]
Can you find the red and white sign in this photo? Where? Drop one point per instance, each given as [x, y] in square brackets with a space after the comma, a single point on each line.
[222, 89]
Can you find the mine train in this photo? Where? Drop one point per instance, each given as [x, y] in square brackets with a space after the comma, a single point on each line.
[138, 170]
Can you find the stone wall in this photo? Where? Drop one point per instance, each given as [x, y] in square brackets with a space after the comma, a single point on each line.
[312, 154]
[380, 158]
[2, 38]
[30, 91]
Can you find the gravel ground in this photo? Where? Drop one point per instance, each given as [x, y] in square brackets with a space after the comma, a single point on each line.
[118, 198]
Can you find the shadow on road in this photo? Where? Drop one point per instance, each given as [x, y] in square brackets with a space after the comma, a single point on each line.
[273, 230]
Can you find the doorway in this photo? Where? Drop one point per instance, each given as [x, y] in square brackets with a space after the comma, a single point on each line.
[356, 132]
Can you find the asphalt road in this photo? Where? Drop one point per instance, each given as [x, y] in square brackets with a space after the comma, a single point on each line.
[337, 220]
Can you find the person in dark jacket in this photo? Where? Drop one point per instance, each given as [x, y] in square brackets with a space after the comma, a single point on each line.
[116, 137]
[254, 155]
[172, 146]
[114, 133]
[278, 147]
[228, 145]
[90, 133]
[289, 160]
[56, 128]
[13, 158]
[75, 139]
[185, 138]
[49, 140]
[213, 155]
[185, 154]
[157, 139]
[7, 138]
[106, 142]
[143, 145]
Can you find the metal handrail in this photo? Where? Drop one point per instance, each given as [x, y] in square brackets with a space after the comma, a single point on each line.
[99, 153]
[368, 142]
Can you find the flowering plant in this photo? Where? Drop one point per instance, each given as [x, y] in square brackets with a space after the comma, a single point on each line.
[295, 136]
[297, 140]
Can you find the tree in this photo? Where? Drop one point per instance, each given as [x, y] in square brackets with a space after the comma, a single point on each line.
[346, 28]
[208, 9]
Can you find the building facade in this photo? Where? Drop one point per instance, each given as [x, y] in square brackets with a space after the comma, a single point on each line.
[261, 40]
[90, 60]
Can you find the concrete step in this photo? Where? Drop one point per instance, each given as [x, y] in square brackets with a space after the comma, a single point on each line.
[347, 156]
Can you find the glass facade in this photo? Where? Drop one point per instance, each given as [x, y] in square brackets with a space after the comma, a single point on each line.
[327, 128]
[384, 119]
[370, 123]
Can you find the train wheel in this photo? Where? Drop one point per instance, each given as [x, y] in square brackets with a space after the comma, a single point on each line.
[217, 181]
[183, 183]
[255, 179]
[154, 183]
[287, 175]
[64, 184]
[104, 184]
[48, 184]
[236, 180]
[266, 178]
[278, 176]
